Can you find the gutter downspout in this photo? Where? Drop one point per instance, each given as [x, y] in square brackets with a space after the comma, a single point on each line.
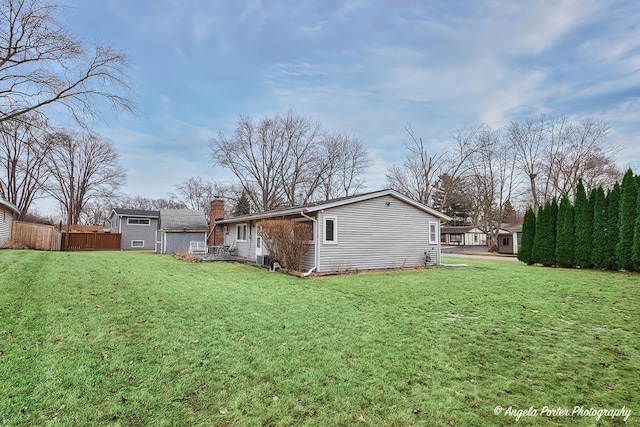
[316, 255]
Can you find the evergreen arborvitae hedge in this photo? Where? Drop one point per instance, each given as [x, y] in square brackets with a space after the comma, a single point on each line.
[636, 236]
[525, 253]
[583, 228]
[627, 221]
[606, 229]
[565, 234]
[544, 239]
[554, 231]
[613, 227]
[599, 253]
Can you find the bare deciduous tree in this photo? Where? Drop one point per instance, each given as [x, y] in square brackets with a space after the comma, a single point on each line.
[83, 168]
[281, 160]
[43, 63]
[197, 193]
[145, 203]
[346, 161]
[24, 145]
[494, 179]
[530, 141]
[555, 154]
[419, 173]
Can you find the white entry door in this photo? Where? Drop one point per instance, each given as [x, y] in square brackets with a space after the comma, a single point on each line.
[258, 246]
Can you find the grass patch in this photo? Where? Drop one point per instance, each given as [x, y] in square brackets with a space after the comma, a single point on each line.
[112, 338]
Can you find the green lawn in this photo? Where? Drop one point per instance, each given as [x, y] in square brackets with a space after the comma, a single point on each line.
[131, 339]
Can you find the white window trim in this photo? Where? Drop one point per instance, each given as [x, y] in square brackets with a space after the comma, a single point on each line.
[433, 241]
[137, 240]
[246, 232]
[335, 230]
[138, 219]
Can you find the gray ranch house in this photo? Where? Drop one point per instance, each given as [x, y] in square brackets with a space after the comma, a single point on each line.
[377, 230]
[138, 227]
[8, 212]
[179, 228]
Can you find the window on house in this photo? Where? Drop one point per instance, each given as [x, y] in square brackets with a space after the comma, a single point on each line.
[475, 238]
[505, 241]
[330, 230]
[308, 231]
[138, 221]
[241, 232]
[433, 233]
[137, 243]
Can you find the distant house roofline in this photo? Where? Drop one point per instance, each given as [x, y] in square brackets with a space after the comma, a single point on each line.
[318, 206]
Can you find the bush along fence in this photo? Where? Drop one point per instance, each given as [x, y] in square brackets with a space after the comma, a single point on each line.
[601, 230]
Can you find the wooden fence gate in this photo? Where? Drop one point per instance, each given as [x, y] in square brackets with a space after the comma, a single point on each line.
[91, 241]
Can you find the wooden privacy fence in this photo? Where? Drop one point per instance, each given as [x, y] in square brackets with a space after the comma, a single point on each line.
[91, 241]
[36, 236]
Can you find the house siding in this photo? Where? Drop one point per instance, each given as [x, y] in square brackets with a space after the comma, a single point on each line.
[6, 224]
[139, 232]
[309, 260]
[363, 244]
[242, 249]
[179, 242]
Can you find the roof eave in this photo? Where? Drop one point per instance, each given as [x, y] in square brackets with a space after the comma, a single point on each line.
[10, 205]
[330, 204]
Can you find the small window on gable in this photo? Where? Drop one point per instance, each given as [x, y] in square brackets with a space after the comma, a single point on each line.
[137, 243]
[138, 221]
[433, 233]
[330, 235]
[241, 232]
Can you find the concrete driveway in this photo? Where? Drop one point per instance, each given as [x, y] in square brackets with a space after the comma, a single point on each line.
[475, 252]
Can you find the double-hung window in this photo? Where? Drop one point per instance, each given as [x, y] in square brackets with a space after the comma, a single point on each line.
[241, 233]
[330, 235]
[433, 233]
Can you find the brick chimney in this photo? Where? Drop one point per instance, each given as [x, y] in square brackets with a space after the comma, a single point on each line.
[216, 236]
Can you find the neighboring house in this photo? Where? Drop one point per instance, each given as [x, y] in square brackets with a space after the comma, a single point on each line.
[137, 227]
[8, 212]
[381, 229]
[178, 227]
[463, 236]
[509, 240]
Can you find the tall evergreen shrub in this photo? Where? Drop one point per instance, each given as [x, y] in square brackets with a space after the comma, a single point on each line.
[613, 227]
[525, 253]
[627, 221]
[636, 236]
[565, 234]
[544, 239]
[554, 229]
[599, 253]
[583, 228]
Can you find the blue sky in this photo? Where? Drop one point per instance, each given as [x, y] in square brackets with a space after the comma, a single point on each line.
[364, 67]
